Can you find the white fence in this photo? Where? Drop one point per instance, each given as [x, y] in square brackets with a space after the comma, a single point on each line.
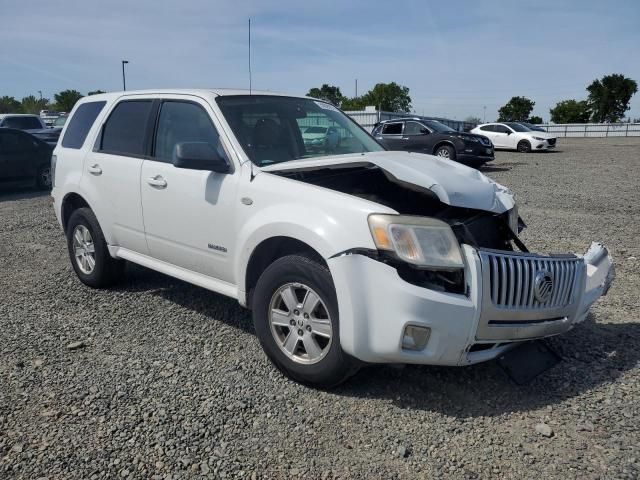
[594, 129]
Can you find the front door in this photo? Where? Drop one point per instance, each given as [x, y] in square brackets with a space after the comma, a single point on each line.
[188, 214]
[417, 138]
[501, 137]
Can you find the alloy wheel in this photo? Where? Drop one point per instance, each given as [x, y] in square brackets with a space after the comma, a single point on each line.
[84, 249]
[300, 323]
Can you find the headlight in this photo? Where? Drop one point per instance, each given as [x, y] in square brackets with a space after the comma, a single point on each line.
[468, 139]
[422, 241]
[540, 139]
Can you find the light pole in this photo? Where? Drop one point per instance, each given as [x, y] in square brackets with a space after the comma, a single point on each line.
[40, 92]
[124, 81]
[484, 118]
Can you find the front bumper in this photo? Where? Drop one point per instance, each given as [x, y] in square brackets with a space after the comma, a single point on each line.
[543, 144]
[476, 155]
[376, 305]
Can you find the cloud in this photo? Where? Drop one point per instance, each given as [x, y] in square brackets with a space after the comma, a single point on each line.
[455, 60]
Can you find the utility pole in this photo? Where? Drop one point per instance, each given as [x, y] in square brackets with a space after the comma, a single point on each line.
[484, 115]
[40, 92]
[356, 88]
[124, 81]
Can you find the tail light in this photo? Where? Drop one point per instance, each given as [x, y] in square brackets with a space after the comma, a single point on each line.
[54, 160]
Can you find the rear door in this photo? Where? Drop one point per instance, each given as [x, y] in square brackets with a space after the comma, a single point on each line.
[112, 171]
[188, 214]
[390, 135]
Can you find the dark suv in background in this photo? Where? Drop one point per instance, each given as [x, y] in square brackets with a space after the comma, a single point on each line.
[434, 138]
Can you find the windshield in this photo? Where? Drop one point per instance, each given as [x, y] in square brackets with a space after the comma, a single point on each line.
[270, 128]
[518, 127]
[437, 126]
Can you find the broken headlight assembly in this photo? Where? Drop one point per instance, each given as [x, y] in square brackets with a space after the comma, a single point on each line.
[420, 241]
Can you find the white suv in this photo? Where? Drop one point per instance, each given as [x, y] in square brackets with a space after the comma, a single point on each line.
[515, 136]
[346, 253]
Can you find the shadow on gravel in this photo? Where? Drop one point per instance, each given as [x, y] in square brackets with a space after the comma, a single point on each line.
[593, 354]
[8, 194]
[191, 297]
[489, 168]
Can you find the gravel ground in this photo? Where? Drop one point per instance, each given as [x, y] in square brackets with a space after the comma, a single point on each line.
[160, 379]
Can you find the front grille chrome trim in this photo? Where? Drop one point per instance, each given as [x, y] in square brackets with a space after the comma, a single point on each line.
[510, 309]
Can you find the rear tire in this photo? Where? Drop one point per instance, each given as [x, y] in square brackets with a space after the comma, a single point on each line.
[446, 151]
[295, 314]
[524, 146]
[88, 251]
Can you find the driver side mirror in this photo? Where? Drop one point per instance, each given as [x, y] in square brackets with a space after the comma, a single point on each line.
[424, 131]
[199, 156]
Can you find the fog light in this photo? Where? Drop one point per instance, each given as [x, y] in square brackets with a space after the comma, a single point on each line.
[415, 338]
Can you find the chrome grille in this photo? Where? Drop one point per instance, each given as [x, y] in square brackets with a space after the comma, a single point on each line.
[512, 279]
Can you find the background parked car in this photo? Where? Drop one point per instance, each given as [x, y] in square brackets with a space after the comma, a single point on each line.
[21, 121]
[434, 138]
[514, 136]
[531, 126]
[321, 137]
[24, 157]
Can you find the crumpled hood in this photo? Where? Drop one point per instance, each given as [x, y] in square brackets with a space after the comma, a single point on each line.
[453, 183]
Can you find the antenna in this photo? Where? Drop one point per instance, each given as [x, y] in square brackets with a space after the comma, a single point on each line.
[249, 55]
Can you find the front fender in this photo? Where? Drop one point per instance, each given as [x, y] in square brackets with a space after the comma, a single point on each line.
[316, 227]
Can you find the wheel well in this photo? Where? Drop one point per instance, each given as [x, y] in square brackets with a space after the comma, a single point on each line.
[71, 203]
[444, 142]
[268, 251]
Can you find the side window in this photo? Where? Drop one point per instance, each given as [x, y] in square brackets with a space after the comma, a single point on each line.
[80, 124]
[183, 122]
[502, 129]
[488, 128]
[414, 128]
[125, 130]
[392, 128]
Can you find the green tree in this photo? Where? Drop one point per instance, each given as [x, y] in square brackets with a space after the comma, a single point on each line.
[95, 92]
[570, 111]
[389, 97]
[9, 105]
[536, 120]
[33, 105]
[327, 92]
[66, 99]
[517, 109]
[353, 103]
[609, 97]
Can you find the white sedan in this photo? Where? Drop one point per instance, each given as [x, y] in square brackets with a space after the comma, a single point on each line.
[515, 136]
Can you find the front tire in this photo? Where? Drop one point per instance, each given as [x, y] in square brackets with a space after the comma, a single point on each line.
[446, 151]
[295, 314]
[524, 146]
[88, 251]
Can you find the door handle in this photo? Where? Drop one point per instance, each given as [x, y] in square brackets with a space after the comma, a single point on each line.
[405, 138]
[157, 181]
[95, 169]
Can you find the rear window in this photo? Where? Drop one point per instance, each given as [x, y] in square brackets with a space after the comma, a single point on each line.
[81, 123]
[22, 123]
[487, 128]
[125, 130]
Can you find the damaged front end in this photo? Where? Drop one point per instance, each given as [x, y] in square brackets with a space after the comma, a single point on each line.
[523, 295]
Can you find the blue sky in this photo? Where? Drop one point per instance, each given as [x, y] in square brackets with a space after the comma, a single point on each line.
[456, 57]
